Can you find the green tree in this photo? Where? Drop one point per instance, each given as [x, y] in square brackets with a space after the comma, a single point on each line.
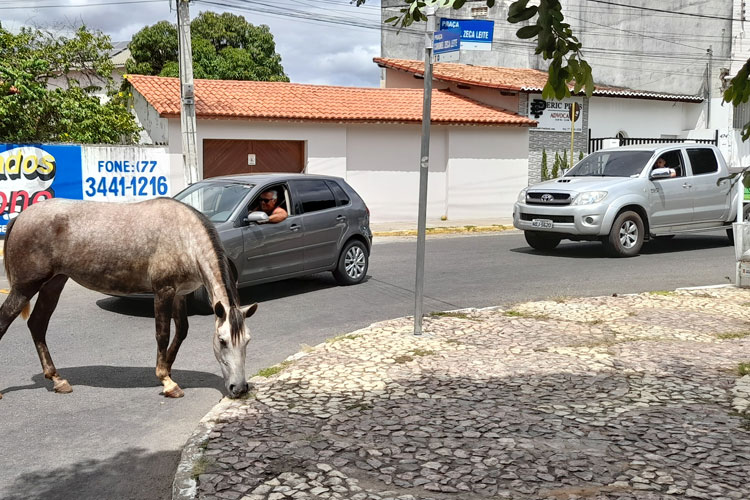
[225, 47]
[545, 171]
[545, 22]
[32, 110]
[564, 162]
[580, 155]
[556, 166]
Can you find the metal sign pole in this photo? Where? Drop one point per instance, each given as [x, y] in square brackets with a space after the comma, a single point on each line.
[424, 168]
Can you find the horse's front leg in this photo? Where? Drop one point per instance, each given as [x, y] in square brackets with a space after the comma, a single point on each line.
[179, 314]
[163, 304]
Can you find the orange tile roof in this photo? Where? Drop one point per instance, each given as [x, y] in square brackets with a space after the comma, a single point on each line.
[518, 79]
[293, 101]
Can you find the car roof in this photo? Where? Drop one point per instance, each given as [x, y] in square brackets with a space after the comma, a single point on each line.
[266, 178]
[657, 147]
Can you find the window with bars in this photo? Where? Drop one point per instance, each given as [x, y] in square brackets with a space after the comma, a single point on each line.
[741, 115]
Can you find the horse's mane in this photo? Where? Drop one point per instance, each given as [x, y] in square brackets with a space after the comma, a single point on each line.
[236, 318]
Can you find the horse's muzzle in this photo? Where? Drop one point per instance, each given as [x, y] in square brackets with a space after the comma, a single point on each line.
[237, 390]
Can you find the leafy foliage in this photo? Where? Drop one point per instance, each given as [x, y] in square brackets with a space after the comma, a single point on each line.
[47, 85]
[545, 170]
[556, 166]
[738, 92]
[555, 40]
[225, 47]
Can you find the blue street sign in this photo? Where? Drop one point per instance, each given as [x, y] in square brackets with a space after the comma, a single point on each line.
[446, 45]
[476, 34]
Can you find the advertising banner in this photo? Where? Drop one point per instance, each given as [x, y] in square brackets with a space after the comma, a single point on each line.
[125, 174]
[31, 173]
[553, 115]
[476, 34]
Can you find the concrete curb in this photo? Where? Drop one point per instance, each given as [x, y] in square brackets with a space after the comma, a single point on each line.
[184, 486]
[447, 230]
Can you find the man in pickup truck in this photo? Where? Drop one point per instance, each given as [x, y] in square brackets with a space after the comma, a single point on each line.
[662, 163]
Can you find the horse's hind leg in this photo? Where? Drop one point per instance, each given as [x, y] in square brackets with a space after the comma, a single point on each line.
[163, 305]
[45, 305]
[16, 301]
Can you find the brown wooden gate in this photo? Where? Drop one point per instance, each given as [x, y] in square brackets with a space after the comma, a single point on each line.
[232, 156]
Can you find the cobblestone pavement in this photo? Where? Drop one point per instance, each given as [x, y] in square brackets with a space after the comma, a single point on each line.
[628, 397]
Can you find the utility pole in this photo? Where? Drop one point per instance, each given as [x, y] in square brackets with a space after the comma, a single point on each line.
[424, 169]
[187, 95]
[708, 85]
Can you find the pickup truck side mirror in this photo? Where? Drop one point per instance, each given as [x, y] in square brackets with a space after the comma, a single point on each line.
[661, 173]
[257, 217]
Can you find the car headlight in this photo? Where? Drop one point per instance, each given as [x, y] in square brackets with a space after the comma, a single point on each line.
[589, 197]
[522, 196]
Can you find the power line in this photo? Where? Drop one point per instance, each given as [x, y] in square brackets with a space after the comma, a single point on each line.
[121, 2]
[670, 12]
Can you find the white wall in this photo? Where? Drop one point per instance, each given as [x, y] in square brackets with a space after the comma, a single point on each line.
[475, 172]
[641, 117]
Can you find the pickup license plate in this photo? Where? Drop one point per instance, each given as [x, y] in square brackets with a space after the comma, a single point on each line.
[545, 223]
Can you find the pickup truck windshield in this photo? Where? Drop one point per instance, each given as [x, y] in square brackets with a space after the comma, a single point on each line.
[611, 164]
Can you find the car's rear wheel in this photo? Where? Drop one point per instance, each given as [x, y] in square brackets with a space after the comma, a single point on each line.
[353, 262]
[626, 236]
[542, 241]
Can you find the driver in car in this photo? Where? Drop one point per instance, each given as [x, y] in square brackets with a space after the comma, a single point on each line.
[269, 204]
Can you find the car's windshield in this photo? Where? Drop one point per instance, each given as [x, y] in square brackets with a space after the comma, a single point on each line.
[215, 200]
[611, 164]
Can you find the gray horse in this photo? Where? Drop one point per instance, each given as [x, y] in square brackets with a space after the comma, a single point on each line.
[157, 246]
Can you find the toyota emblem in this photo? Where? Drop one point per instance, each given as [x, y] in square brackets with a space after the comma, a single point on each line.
[546, 197]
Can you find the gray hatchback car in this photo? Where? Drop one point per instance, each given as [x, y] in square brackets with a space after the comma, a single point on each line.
[328, 227]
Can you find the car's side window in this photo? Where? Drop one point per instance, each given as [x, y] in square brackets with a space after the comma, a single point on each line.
[341, 197]
[703, 161]
[283, 197]
[674, 161]
[314, 195]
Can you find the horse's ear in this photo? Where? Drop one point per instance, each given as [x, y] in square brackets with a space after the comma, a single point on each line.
[249, 310]
[219, 311]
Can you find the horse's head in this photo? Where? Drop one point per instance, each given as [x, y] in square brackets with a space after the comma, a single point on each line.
[230, 341]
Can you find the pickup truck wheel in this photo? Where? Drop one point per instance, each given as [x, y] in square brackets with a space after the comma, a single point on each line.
[626, 236]
[541, 241]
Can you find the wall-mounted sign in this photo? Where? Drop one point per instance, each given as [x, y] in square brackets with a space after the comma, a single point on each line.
[112, 173]
[446, 45]
[476, 34]
[30, 173]
[553, 115]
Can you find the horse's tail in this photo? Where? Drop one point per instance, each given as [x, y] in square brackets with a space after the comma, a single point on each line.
[26, 308]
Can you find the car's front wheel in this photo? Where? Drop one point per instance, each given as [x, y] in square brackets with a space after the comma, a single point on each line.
[353, 263]
[626, 236]
[542, 241]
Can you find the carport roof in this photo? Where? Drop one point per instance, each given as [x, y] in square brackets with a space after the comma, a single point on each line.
[226, 99]
[515, 79]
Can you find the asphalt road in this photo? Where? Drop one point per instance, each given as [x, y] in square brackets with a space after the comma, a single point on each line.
[115, 437]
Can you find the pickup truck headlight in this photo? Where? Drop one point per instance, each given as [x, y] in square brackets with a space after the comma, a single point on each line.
[522, 196]
[589, 197]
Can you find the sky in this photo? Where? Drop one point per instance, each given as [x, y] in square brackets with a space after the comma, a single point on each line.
[336, 52]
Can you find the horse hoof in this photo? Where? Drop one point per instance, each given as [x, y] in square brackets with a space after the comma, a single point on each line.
[63, 387]
[1, 396]
[174, 392]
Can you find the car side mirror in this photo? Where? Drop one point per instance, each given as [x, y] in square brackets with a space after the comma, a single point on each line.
[256, 217]
[661, 173]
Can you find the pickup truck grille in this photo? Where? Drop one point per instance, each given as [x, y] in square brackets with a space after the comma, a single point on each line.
[542, 198]
[565, 219]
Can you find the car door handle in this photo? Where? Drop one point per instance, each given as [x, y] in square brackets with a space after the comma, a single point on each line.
[341, 218]
[687, 186]
[294, 227]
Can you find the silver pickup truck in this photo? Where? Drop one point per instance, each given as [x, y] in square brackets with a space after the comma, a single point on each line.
[624, 196]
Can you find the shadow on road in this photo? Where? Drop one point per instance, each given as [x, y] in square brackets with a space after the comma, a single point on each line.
[131, 474]
[144, 307]
[595, 250]
[122, 377]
